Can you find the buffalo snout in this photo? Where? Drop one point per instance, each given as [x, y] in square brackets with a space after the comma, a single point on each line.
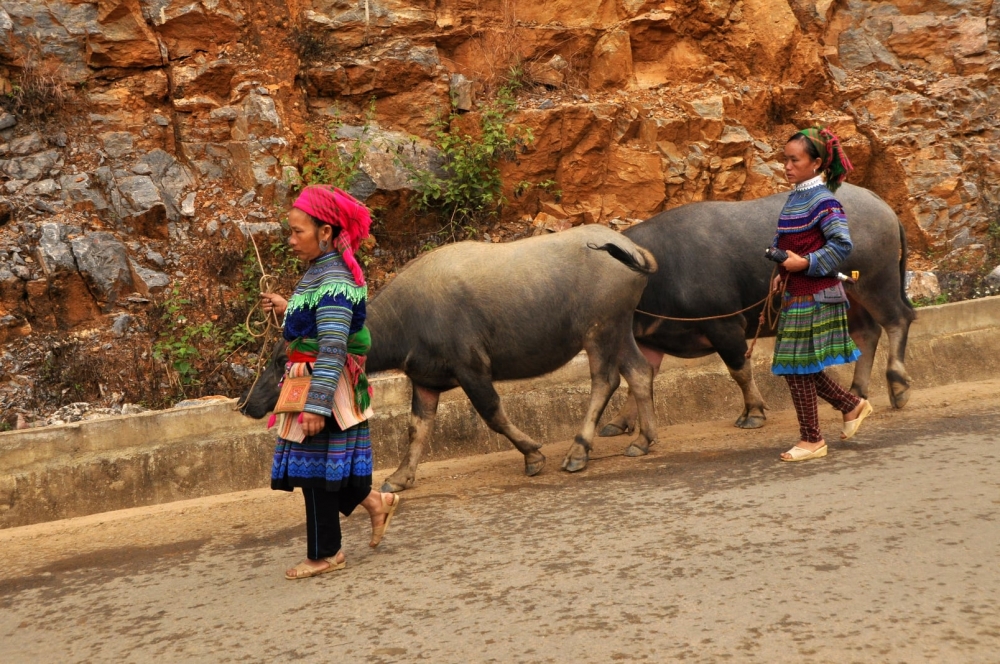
[261, 398]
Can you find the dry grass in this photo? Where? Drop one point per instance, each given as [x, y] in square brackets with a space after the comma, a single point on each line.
[500, 46]
[39, 87]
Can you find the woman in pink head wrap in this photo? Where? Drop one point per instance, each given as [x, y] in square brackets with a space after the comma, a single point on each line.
[326, 449]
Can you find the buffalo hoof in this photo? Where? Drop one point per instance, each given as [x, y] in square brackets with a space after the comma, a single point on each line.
[899, 400]
[750, 421]
[634, 450]
[391, 487]
[574, 465]
[611, 430]
[532, 468]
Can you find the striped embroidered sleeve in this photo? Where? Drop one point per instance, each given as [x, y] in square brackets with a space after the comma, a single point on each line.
[833, 222]
[333, 322]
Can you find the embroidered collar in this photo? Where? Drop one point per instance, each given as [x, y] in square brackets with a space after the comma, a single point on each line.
[326, 276]
[324, 258]
[811, 183]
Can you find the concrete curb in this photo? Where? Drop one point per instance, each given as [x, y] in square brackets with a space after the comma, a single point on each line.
[87, 467]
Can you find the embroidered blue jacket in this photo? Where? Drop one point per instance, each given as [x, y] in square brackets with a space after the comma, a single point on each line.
[327, 306]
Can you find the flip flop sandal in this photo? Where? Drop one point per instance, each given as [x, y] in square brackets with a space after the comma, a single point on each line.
[851, 428]
[303, 572]
[379, 532]
[801, 454]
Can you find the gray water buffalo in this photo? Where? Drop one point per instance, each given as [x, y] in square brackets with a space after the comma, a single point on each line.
[711, 262]
[468, 314]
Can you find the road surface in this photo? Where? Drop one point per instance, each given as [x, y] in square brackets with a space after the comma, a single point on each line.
[709, 549]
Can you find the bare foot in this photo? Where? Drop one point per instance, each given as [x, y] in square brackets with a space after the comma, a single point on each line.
[811, 447]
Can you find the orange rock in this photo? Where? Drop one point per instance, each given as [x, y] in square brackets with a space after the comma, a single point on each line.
[124, 39]
[611, 62]
[189, 27]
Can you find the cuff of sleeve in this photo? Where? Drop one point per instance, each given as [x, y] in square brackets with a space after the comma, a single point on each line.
[811, 270]
[317, 410]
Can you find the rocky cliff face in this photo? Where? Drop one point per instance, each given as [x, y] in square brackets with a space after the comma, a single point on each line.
[141, 134]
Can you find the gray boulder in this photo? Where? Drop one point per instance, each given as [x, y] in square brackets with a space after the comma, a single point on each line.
[118, 144]
[993, 278]
[78, 192]
[54, 252]
[120, 326]
[389, 161]
[461, 92]
[103, 263]
[46, 187]
[860, 49]
[172, 178]
[148, 281]
[31, 167]
[26, 145]
[137, 199]
[922, 285]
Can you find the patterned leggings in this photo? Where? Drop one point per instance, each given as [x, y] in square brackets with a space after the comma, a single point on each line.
[804, 388]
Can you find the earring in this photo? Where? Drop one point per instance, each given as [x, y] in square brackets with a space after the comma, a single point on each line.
[324, 246]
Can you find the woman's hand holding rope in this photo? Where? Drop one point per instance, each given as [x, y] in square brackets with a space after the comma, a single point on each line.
[272, 303]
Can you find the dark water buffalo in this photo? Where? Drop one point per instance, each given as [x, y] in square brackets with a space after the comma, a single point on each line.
[710, 259]
[472, 313]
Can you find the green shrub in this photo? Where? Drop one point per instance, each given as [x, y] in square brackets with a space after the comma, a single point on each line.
[468, 190]
[177, 345]
[326, 161]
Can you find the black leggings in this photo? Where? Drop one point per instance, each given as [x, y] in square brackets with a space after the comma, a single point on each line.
[323, 510]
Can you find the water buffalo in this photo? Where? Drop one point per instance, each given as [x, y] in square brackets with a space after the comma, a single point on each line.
[710, 259]
[471, 313]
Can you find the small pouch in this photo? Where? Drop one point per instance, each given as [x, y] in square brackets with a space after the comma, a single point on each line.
[832, 295]
[294, 393]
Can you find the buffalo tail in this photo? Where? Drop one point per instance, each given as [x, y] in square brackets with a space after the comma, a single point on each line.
[645, 265]
[902, 268]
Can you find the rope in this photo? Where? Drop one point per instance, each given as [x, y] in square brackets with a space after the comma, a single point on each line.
[703, 318]
[755, 304]
[767, 314]
[769, 311]
[265, 284]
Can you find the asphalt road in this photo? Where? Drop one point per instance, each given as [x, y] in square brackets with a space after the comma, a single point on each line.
[885, 551]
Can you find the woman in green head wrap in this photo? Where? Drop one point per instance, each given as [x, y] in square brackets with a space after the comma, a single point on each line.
[812, 327]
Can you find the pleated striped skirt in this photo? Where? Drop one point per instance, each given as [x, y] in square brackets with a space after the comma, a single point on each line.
[331, 460]
[811, 337]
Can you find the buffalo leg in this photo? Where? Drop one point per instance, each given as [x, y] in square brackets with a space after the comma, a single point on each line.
[895, 317]
[624, 420]
[753, 403]
[728, 337]
[486, 401]
[639, 374]
[423, 408]
[604, 380]
[865, 332]
[895, 373]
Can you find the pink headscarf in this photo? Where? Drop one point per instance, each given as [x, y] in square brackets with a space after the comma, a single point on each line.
[338, 208]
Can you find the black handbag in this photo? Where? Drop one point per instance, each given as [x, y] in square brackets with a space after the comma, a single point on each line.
[832, 295]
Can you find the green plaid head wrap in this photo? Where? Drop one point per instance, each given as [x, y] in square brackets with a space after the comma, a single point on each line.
[835, 163]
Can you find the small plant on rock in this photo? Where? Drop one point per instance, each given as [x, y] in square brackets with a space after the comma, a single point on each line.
[326, 161]
[468, 189]
[178, 342]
